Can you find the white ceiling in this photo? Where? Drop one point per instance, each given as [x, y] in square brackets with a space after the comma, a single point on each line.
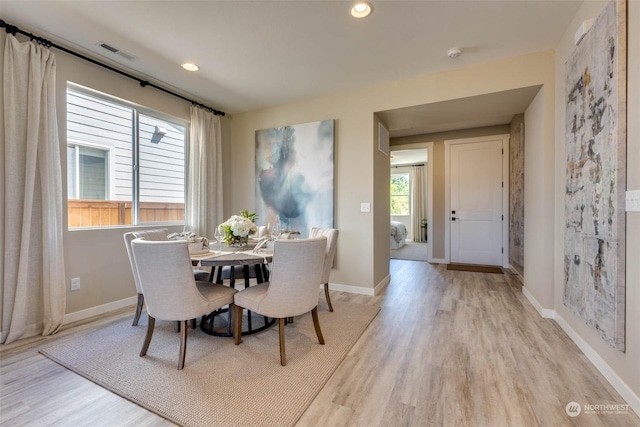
[256, 54]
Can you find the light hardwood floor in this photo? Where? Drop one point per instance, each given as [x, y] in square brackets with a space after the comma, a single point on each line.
[447, 349]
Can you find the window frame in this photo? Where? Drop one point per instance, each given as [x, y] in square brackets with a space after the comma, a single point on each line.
[135, 153]
[72, 142]
[408, 195]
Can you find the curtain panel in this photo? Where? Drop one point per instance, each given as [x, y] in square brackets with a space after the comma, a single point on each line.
[33, 299]
[417, 203]
[204, 188]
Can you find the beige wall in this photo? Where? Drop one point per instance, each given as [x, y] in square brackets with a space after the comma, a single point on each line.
[437, 163]
[622, 368]
[361, 170]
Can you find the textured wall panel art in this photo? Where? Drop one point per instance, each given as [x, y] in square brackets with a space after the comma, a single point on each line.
[294, 176]
[594, 238]
[516, 193]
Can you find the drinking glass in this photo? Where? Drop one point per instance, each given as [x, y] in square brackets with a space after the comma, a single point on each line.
[276, 230]
[217, 234]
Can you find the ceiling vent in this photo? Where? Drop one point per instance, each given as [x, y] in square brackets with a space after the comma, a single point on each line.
[115, 50]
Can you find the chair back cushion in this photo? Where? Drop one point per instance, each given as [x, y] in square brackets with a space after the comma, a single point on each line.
[332, 245]
[294, 282]
[166, 279]
[158, 234]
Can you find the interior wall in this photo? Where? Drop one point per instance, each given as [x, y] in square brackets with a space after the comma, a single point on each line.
[620, 368]
[516, 193]
[437, 163]
[538, 257]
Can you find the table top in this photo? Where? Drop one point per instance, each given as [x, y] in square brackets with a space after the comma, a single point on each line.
[246, 257]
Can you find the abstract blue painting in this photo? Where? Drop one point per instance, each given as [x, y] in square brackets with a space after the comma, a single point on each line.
[294, 176]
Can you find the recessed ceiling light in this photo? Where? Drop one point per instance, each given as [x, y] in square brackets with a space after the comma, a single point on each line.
[361, 9]
[190, 66]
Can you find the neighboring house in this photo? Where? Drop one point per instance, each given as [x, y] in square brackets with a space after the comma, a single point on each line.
[101, 144]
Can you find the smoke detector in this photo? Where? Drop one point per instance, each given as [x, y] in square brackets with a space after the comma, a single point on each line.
[454, 52]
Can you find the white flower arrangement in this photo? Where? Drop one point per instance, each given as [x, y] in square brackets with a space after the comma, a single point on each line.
[237, 229]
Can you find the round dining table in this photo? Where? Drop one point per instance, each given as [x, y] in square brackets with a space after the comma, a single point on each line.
[233, 258]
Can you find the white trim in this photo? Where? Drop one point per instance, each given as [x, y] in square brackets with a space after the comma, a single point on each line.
[98, 310]
[505, 191]
[377, 290]
[438, 261]
[544, 312]
[429, 164]
[352, 289]
[618, 383]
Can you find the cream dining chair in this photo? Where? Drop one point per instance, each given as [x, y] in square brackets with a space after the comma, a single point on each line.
[292, 289]
[332, 244]
[170, 290]
[159, 234]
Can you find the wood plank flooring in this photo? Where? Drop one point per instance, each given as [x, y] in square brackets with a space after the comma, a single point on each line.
[448, 348]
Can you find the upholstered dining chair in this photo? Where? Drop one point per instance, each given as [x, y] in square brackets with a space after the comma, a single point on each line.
[332, 244]
[159, 234]
[170, 290]
[292, 290]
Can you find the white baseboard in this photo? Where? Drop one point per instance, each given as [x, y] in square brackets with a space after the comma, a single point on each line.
[438, 261]
[616, 382]
[382, 285]
[98, 310]
[621, 387]
[544, 312]
[351, 289]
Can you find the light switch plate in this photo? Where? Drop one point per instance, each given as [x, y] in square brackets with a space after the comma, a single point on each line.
[365, 207]
[632, 201]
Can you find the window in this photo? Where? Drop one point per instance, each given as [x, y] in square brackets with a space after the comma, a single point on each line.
[125, 163]
[88, 172]
[400, 194]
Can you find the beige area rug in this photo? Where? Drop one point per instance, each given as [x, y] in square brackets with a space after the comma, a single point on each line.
[221, 384]
[412, 251]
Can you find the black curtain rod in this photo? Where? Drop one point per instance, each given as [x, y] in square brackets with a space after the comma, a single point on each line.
[12, 29]
[407, 165]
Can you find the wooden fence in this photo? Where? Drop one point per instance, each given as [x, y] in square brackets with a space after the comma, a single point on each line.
[103, 213]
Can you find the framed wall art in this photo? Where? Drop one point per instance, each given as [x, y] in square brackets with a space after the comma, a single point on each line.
[294, 176]
[594, 233]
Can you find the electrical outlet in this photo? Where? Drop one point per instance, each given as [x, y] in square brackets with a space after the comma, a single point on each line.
[75, 284]
[633, 201]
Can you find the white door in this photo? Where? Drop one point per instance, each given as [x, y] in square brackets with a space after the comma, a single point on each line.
[476, 203]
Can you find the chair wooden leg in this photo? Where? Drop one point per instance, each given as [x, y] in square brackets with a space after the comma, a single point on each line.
[176, 326]
[316, 324]
[184, 327]
[147, 339]
[237, 323]
[136, 318]
[326, 294]
[283, 356]
[193, 323]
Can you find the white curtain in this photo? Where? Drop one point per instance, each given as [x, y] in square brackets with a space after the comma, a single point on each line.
[417, 203]
[33, 299]
[204, 189]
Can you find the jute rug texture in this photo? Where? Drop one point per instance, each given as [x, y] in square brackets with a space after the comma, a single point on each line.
[221, 384]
